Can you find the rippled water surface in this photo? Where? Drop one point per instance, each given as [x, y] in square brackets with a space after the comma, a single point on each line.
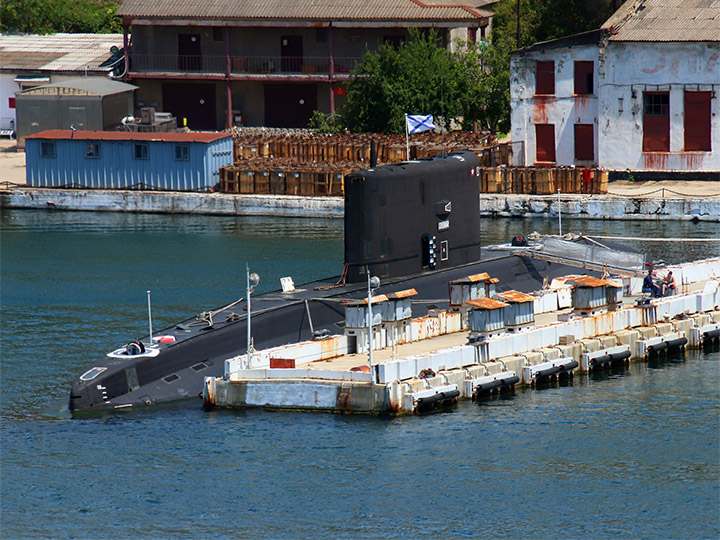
[631, 454]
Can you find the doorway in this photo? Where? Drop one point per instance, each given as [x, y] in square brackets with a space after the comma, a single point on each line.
[289, 105]
[291, 51]
[189, 52]
[194, 102]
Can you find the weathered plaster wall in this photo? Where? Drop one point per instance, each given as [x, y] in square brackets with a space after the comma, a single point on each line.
[630, 68]
[564, 109]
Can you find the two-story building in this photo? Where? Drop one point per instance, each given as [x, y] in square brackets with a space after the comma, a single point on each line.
[269, 63]
[639, 94]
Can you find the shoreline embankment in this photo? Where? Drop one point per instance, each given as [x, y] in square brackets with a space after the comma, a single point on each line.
[661, 204]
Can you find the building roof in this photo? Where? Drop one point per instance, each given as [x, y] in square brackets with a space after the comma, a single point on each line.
[515, 297]
[486, 303]
[666, 20]
[305, 10]
[66, 134]
[81, 86]
[57, 52]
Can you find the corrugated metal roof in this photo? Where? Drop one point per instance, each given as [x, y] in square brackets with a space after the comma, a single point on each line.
[401, 294]
[375, 300]
[473, 278]
[666, 20]
[93, 86]
[590, 281]
[306, 10]
[57, 52]
[64, 134]
[486, 303]
[515, 297]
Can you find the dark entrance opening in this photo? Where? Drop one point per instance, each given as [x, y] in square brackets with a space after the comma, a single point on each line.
[195, 102]
[289, 105]
[291, 50]
[189, 52]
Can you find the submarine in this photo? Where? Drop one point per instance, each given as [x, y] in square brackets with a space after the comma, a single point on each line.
[414, 224]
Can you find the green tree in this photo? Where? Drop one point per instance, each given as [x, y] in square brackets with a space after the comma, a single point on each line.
[419, 77]
[51, 16]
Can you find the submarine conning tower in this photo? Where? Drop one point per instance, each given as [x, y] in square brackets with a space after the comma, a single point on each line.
[412, 217]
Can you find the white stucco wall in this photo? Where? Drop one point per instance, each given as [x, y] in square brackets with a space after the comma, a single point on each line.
[623, 70]
[8, 87]
[640, 66]
[564, 109]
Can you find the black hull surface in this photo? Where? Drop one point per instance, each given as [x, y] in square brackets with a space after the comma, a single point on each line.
[199, 350]
[414, 225]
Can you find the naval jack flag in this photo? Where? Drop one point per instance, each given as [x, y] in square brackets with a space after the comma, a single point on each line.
[416, 123]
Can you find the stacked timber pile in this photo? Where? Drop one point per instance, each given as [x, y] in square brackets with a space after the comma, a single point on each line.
[542, 180]
[302, 162]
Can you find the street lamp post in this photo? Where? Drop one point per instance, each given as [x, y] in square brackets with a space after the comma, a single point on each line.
[252, 281]
[373, 283]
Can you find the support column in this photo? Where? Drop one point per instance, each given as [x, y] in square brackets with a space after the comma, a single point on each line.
[126, 49]
[228, 72]
[332, 69]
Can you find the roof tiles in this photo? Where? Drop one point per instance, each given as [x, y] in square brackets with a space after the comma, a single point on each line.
[666, 20]
[57, 52]
[65, 134]
[306, 10]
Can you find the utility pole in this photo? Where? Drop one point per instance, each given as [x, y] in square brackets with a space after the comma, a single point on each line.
[518, 26]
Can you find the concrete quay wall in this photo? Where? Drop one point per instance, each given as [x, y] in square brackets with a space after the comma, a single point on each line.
[602, 207]
[498, 205]
[171, 202]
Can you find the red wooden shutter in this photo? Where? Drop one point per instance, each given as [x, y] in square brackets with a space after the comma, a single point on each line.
[545, 143]
[697, 122]
[584, 142]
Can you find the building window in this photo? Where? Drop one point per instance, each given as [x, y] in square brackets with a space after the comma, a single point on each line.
[584, 142]
[11, 102]
[545, 77]
[545, 143]
[321, 35]
[140, 151]
[182, 152]
[218, 33]
[584, 77]
[47, 149]
[92, 150]
[656, 121]
[697, 121]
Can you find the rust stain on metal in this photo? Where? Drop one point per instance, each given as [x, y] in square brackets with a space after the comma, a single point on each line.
[590, 281]
[474, 279]
[516, 297]
[401, 294]
[486, 303]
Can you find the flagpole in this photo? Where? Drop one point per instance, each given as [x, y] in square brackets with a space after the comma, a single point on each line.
[407, 140]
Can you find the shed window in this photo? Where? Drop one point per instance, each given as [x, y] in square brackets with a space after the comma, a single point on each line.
[47, 149]
[92, 150]
[656, 121]
[584, 142]
[545, 143]
[697, 122]
[141, 151]
[545, 77]
[584, 77]
[182, 152]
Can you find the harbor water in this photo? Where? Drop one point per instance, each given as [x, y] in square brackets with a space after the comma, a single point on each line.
[634, 453]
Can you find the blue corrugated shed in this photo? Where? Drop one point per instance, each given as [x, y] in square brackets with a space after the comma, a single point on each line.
[116, 160]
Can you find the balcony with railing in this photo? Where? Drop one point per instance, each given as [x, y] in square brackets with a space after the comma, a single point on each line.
[242, 66]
